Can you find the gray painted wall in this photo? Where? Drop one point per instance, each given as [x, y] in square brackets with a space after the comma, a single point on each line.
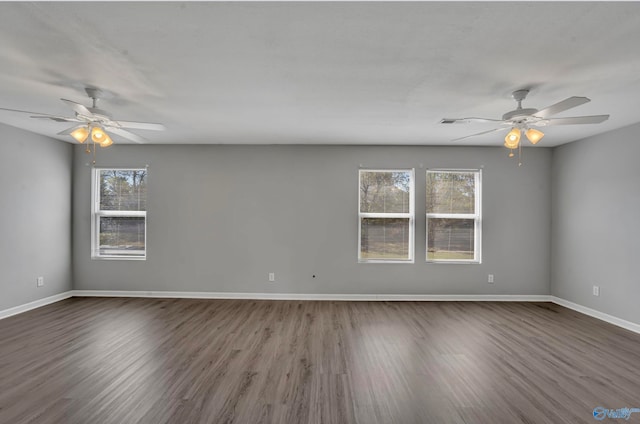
[35, 214]
[596, 205]
[222, 217]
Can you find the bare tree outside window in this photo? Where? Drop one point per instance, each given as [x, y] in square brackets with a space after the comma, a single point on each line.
[119, 216]
[386, 215]
[453, 216]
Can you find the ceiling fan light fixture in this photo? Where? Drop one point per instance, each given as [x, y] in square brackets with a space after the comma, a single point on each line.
[98, 135]
[534, 135]
[106, 142]
[520, 118]
[80, 134]
[512, 139]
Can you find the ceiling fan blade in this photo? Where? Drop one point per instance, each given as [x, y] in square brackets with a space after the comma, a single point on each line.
[595, 119]
[68, 131]
[57, 118]
[467, 120]
[22, 111]
[39, 115]
[480, 133]
[141, 125]
[78, 108]
[566, 104]
[126, 134]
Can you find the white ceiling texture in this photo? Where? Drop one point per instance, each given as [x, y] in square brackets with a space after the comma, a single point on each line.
[320, 72]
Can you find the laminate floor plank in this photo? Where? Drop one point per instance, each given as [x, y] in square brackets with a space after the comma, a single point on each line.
[189, 361]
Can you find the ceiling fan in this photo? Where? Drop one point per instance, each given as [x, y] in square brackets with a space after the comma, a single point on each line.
[524, 119]
[95, 122]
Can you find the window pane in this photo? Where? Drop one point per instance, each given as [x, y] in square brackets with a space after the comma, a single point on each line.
[123, 190]
[384, 238]
[122, 236]
[450, 192]
[450, 239]
[385, 191]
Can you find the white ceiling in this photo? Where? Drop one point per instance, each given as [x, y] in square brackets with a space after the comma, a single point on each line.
[320, 72]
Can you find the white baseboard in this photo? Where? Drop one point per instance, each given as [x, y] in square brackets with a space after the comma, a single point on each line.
[35, 304]
[631, 326]
[465, 297]
[312, 296]
[365, 297]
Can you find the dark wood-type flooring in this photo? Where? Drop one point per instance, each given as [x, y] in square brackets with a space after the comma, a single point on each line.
[122, 361]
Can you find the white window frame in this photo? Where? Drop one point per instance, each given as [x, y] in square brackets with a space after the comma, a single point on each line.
[410, 215]
[477, 217]
[96, 214]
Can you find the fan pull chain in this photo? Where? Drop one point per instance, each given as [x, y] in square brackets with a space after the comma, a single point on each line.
[88, 151]
[520, 154]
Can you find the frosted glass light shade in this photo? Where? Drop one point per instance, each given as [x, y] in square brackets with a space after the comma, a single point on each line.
[106, 142]
[98, 135]
[512, 139]
[80, 134]
[534, 135]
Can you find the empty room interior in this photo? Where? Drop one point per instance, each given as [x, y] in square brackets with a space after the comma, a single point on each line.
[319, 212]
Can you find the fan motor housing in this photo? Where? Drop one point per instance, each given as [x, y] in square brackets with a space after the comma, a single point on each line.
[519, 114]
[100, 112]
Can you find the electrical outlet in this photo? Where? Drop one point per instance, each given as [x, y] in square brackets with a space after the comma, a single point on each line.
[272, 276]
[490, 279]
[40, 281]
[596, 290]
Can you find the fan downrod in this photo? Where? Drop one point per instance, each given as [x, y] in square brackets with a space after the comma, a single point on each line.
[94, 94]
[519, 113]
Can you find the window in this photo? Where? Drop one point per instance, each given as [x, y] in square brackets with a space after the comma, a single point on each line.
[386, 216]
[119, 214]
[453, 216]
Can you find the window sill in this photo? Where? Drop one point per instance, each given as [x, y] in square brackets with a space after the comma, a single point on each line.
[118, 258]
[454, 262]
[373, 261]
